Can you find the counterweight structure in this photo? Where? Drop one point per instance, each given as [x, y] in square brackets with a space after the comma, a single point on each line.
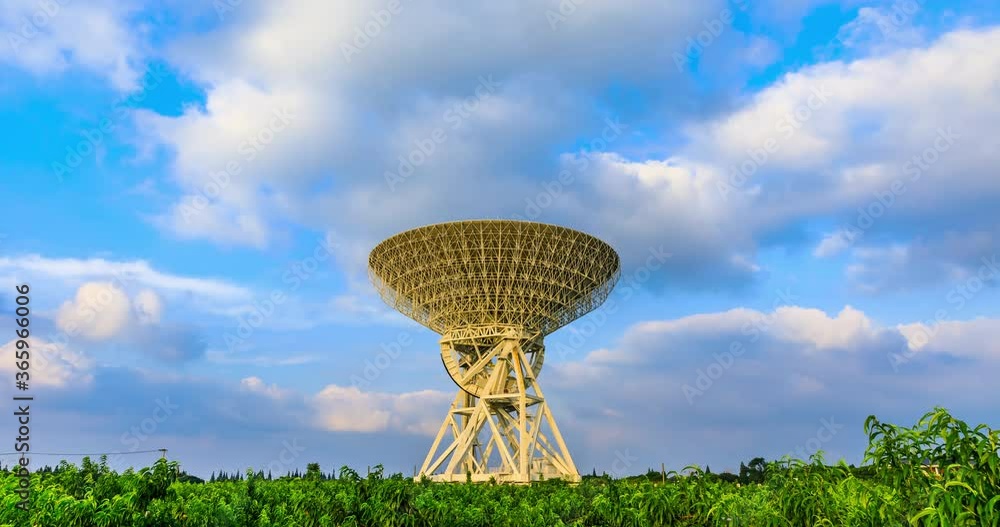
[493, 289]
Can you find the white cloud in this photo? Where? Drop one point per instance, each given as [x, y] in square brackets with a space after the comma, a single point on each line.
[102, 311]
[811, 326]
[704, 323]
[883, 28]
[192, 218]
[347, 308]
[348, 409]
[832, 244]
[788, 323]
[148, 306]
[629, 202]
[257, 385]
[978, 338]
[51, 364]
[350, 127]
[153, 288]
[801, 341]
[137, 272]
[225, 357]
[827, 142]
[805, 384]
[257, 45]
[99, 311]
[354, 304]
[761, 51]
[842, 145]
[951, 257]
[50, 37]
[838, 136]
[772, 375]
[227, 151]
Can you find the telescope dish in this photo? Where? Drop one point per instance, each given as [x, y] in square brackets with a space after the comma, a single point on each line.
[493, 272]
[493, 289]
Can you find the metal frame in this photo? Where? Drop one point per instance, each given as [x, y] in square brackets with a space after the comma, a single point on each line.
[493, 289]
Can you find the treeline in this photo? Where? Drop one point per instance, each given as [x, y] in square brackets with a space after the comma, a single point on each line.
[312, 472]
[753, 471]
[90, 470]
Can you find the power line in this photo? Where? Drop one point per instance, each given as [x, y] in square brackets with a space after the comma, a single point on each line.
[79, 453]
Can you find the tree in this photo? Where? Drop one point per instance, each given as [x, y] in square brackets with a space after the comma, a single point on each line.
[728, 477]
[752, 472]
[757, 467]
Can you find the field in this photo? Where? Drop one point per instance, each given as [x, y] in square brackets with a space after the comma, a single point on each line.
[894, 487]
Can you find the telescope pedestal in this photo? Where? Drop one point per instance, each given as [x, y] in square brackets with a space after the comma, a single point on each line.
[499, 425]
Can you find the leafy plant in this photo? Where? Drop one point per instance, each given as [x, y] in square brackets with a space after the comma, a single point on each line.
[941, 472]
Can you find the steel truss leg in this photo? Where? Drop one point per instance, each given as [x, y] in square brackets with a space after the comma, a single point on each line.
[500, 434]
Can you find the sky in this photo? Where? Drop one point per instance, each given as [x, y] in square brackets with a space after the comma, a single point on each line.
[803, 194]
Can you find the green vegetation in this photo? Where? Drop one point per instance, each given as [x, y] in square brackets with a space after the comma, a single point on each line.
[894, 487]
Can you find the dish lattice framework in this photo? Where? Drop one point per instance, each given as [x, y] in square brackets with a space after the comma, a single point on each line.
[494, 273]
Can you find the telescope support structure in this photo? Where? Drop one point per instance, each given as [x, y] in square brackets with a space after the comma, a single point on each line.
[499, 425]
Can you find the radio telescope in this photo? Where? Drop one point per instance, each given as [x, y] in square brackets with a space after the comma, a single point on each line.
[493, 289]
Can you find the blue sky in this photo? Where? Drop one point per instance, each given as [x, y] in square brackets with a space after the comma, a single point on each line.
[822, 174]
